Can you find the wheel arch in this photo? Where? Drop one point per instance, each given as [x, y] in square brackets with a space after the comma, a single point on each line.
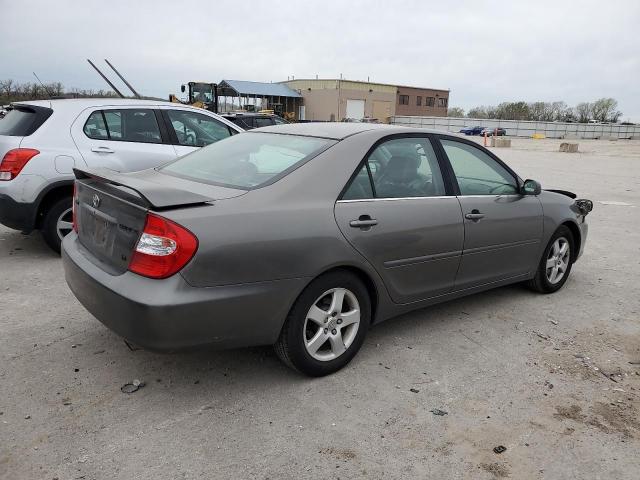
[577, 239]
[363, 276]
[52, 194]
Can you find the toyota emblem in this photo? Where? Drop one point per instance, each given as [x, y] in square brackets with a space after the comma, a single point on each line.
[95, 200]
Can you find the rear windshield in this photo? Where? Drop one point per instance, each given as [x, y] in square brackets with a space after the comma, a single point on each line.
[23, 121]
[248, 160]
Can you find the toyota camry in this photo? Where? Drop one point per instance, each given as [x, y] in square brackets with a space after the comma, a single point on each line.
[302, 236]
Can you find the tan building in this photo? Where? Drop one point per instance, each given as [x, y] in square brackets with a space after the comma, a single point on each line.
[336, 99]
[413, 101]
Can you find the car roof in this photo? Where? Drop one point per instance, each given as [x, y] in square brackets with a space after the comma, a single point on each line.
[82, 103]
[339, 130]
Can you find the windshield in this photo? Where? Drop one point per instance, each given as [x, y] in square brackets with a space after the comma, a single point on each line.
[248, 160]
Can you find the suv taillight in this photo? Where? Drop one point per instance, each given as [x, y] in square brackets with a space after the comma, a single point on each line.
[163, 248]
[14, 161]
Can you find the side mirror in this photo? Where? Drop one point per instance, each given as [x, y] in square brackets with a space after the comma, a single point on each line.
[182, 88]
[531, 187]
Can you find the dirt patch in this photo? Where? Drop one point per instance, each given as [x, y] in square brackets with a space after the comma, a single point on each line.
[498, 470]
[340, 453]
[572, 412]
[607, 417]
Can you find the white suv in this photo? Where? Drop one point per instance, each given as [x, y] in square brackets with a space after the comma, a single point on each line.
[42, 141]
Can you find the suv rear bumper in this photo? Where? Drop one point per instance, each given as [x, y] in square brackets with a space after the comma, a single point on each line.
[171, 315]
[17, 215]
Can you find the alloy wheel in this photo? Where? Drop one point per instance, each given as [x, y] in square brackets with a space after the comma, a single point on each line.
[64, 224]
[558, 260]
[331, 324]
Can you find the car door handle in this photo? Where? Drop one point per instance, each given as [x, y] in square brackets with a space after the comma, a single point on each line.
[102, 150]
[475, 215]
[365, 221]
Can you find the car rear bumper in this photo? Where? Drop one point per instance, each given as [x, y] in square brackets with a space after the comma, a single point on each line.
[171, 315]
[17, 215]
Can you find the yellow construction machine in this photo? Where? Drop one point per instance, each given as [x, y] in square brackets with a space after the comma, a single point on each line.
[201, 95]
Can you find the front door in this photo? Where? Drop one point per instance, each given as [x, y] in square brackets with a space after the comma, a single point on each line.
[502, 228]
[123, 139]
[397, 214]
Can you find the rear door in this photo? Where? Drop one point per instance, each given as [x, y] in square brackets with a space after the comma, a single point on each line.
[189, 130]
[124, 139]
[502, 228]
[400, 215]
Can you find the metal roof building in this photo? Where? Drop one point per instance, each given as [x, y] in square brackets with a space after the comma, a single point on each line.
[275, 96]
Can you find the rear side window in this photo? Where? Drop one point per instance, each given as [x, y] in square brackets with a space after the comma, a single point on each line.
[127, 125]
[96, 127]
[248, 160]
[23, 121]
[399, 168]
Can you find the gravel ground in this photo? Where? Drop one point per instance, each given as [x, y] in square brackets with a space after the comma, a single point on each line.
[554, 379]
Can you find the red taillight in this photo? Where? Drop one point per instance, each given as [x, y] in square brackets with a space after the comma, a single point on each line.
[14, 161]
[163, 248]
[73, 208]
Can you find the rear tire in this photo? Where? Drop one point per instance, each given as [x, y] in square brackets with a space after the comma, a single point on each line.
[326, 325]
[57, 223]
[555, 265]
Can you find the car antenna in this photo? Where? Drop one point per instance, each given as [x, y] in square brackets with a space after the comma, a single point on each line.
[123, 79]
[43, 85]
[106, 79]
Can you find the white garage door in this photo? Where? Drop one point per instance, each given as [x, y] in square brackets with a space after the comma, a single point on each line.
[355, 109]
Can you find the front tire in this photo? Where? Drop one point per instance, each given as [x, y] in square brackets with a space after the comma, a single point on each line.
[326, 326]
[556, 262]
[57, 223]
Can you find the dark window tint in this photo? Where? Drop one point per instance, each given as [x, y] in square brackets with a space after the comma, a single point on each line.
[476, 172]
[95, 127]
[248, 160]
[404, 100]
[23, 121]
[263, 122]
[279, 121]
[195, 129]
[127, 125]
[243, 122]
[403, 167]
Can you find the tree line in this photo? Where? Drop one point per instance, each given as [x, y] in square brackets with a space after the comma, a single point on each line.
[11, 91]
[602, 110]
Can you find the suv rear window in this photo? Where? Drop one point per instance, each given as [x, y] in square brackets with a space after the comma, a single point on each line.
[21, 121]
[249, 160]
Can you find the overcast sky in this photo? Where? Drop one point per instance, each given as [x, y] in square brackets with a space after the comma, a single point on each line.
[486, 52]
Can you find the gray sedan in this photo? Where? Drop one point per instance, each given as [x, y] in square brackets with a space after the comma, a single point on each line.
[305, 235]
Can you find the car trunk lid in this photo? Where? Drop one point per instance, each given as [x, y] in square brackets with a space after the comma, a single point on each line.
[111, 210]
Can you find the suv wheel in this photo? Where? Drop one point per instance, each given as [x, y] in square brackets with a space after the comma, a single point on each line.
[57, 223]
[326, 326]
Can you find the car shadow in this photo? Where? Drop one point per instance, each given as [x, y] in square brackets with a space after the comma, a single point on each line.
[260, 367]
[13, 242]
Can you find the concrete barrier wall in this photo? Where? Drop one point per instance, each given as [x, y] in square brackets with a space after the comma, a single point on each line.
[518, 128]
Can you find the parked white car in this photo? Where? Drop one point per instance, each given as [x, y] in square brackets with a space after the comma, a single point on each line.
[42, 141]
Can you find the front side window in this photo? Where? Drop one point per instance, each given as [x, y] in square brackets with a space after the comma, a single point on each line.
[195, 129]
[248, 160]
[404, 100]
[398, 168]
[476, 172]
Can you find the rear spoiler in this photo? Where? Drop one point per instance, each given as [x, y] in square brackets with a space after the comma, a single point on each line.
[155, 195]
